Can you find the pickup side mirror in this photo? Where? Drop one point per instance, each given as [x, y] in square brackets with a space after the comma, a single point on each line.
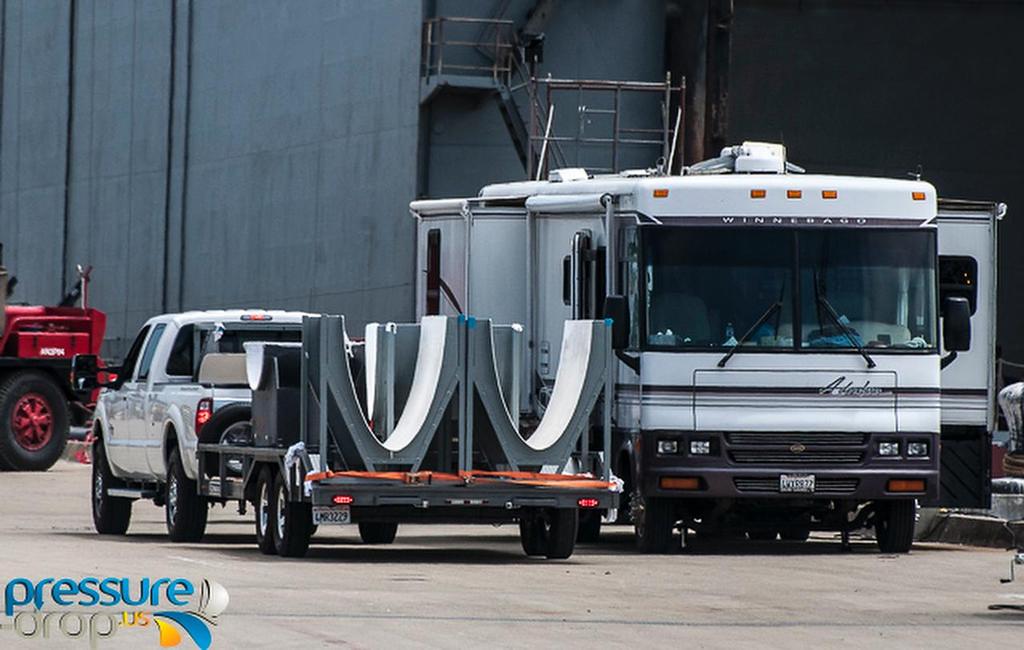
[617, 309]
[956, 324]
[85, 372]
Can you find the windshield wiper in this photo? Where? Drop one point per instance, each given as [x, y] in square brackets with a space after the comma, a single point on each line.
[830, 310]
[750, 332]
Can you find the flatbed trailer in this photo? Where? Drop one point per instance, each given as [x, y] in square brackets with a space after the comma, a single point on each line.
[546, 506]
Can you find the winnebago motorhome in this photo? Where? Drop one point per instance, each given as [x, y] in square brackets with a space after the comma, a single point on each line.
[796, 351]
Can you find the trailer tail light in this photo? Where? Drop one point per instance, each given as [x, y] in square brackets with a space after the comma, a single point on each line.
[342, 499]
[758, 194]
[918, 196]
[587, 502]
[204, 411]
[829, 194]
[679, 483]
[906, 485]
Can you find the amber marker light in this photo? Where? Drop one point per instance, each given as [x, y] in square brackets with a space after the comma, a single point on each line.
[829, 194]
[918, 196]
[660, 194]
[794, 194]
[906, 485]
[758, 194]
[679, 483]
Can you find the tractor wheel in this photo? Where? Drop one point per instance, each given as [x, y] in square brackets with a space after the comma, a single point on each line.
[33, 422]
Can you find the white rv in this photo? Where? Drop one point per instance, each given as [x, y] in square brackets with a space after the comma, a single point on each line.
[796, 351]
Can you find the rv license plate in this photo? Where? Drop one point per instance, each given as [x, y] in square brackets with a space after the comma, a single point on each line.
[332, 515]
[796, 483]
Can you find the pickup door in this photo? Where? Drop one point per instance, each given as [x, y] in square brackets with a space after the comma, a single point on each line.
[122, 451]
[137, 422]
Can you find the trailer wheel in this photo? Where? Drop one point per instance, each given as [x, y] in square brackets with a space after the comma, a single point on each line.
[532, 534]
[894, 525]
[377, 532]
[652, 523]
[590, 527]
[110, 515]
[264, 510]
[292, 524]
[185, 511]
[561, 533]
[33, 422]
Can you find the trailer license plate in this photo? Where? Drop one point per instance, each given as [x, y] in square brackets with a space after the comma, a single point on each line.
[796, 483]
[332, 515]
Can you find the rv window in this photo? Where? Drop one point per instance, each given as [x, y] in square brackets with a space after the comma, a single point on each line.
[958, 277]
[433, 297]
[567, 280]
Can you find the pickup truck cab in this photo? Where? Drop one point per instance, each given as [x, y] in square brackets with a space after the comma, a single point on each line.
[148, 420]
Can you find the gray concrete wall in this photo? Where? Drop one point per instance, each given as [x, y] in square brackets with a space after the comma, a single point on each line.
[231, 153]
[879, 88]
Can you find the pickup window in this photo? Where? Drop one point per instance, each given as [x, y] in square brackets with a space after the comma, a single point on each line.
[181, 361]
[128, 367]
[147, 356]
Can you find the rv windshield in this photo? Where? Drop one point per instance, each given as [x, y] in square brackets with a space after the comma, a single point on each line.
[707, 288]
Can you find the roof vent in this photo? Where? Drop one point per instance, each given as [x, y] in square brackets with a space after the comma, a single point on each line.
[568, 174]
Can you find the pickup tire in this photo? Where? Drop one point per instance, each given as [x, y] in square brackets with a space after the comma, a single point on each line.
[185, 511]
[894, 525]
[377, 532]
[264, 510]
[292, 523]
[34, 422]
[110, 515]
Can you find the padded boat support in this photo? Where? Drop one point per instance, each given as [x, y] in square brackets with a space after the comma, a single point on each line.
[584, 372]
[332, 412]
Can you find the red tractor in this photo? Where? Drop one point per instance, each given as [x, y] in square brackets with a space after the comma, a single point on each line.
[38, 404]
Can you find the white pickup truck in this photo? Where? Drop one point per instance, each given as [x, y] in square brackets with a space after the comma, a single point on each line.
[149, 420]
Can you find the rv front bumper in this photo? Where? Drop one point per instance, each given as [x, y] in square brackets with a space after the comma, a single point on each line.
[853, 466]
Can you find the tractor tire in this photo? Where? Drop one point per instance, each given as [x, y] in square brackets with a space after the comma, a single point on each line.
[185, 511]
[110, 515]
[264, 511]
[377, 532]
[894, 525]
[34, 422]
[292, 524]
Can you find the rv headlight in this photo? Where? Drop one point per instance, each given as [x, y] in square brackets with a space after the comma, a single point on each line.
[668, 447]
[700, 447]
[919, 448]
[888, 449]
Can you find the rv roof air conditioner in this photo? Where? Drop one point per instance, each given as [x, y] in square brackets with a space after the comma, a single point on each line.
[748, 158]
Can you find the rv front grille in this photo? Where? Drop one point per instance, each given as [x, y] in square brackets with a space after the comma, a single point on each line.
[823, 485]
[796, 455]
[816, 438]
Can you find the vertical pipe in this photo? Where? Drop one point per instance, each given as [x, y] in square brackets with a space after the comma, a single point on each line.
[466, 333]
[326, 323]
[610, 250]
[183, 242]
[531, 346]
[65, 226]
[170, 158]
[609, 395]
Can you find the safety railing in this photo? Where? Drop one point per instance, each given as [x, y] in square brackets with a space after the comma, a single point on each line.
[480, 47]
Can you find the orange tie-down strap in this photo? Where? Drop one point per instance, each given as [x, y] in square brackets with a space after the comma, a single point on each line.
[581, 481]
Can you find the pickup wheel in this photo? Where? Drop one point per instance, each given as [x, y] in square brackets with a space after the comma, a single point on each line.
[34, 422]
[265, 515]
[894, 525]
[110, 515]
[378, 532]
[652, 523]
[292, 523]
[185, 511]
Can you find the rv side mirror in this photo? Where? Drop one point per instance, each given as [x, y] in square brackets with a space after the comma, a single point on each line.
[956, 324]
[617, 309]
[85, 372]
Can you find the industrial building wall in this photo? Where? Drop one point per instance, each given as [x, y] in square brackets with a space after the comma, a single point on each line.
[219, 154]
[467, 144]
[880, 87]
